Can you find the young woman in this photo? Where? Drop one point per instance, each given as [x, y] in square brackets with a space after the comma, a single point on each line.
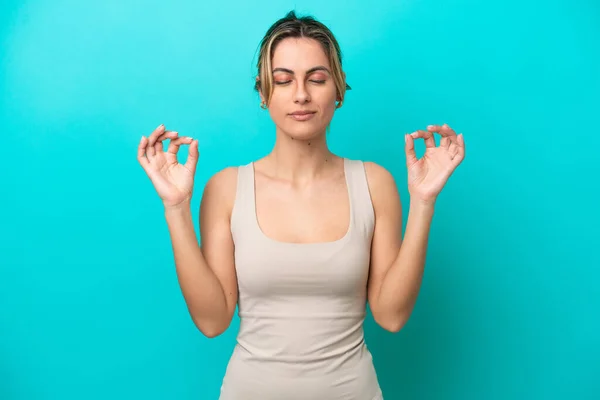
[302, 238]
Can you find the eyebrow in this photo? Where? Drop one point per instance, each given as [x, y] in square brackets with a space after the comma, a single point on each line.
[313, 69]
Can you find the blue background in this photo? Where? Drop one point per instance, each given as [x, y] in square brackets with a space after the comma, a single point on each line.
[90, 307]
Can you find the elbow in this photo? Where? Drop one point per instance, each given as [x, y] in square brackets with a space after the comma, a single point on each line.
[393, 326]
[209, 329]
[391, 323]
[211, 333]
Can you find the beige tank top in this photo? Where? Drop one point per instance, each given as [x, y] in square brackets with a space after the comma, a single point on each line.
[302, 306]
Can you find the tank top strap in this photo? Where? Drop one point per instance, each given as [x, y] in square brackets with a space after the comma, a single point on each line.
[360, 198]
[243, 206]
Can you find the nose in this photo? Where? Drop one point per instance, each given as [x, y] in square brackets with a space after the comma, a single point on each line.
[301, 96]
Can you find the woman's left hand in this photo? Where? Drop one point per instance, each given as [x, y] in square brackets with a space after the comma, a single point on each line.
[428, 175]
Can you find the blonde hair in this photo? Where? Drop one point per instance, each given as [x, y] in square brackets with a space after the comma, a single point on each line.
[292, 26]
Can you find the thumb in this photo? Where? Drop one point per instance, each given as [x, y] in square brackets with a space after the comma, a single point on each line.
[193, 154]
[409, 148]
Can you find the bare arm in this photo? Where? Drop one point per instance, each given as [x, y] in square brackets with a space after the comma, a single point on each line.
[397, 264]
[206, 273]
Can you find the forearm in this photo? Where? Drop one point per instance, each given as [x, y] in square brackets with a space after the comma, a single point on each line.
[401, 284]
[202, 291]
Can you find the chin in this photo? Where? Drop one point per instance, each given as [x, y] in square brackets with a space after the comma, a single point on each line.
[304, 131]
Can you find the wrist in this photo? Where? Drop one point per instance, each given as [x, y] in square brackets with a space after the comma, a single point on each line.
[178, 209]
[422, 204]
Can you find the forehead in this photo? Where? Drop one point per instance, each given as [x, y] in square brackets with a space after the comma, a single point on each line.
[299, 54]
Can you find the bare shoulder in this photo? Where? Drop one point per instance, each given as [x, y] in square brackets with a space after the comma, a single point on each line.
[222, 184]
[219, 191]
[382, 184]
[224, 180]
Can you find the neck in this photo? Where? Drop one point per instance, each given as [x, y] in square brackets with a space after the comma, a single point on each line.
[300, 160]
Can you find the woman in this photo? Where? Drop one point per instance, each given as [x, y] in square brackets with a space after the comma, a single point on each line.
[302, 238]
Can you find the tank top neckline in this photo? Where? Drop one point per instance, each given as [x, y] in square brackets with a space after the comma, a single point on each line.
[340, 241]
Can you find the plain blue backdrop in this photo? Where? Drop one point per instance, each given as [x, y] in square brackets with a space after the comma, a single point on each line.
[90, 307]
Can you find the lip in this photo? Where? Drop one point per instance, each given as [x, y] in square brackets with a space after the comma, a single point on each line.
[302, 112]
[302, 115]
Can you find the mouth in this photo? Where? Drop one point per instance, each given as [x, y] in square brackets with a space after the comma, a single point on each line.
[302, 115]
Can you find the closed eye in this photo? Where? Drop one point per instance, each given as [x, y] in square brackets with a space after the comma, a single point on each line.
[317, 81]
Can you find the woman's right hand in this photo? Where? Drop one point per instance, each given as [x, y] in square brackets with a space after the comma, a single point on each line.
[173, 181]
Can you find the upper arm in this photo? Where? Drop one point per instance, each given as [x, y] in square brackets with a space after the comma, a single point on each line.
[387, 235]
[215, 232]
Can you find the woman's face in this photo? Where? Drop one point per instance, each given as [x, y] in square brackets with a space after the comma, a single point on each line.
[304, 92]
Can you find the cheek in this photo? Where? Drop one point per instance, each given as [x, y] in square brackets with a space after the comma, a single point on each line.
[279, 99]
[276, 109]
[329, 104]
[329, 98]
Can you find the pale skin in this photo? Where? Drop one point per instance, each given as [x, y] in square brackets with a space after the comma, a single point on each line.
[300, 184]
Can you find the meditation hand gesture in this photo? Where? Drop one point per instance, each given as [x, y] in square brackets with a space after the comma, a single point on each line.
[428, 175]
[173, 181]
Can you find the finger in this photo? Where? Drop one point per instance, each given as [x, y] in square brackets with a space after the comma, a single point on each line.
[176, 143]
[426, 135]
[461, 146]
[168, 135]
[150, 149]
[155, 134]
[443, 130]
[409, 148]
[445, 142]
[193, 155]
[458, 151]
[447, 133]
[158, 146]
[453, 150]
[141, 155]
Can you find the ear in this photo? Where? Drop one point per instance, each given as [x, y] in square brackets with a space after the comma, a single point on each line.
[259, 89]
[338, 97]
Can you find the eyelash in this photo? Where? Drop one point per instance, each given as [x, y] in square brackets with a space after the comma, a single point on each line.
[317, 81]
